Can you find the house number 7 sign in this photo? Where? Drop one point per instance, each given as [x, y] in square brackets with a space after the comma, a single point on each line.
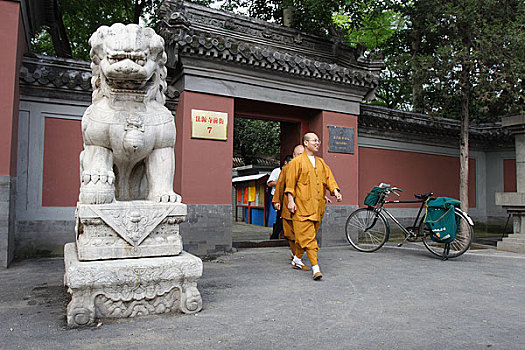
[209, 125]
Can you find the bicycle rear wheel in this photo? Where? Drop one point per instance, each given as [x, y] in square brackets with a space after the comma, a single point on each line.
[458, 246]
[366, 230]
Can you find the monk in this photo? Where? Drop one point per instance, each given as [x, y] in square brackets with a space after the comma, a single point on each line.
[307, 179]
[280, 202]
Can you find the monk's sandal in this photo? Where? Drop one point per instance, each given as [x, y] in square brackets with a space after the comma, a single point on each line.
[300, 266]
[317, 275]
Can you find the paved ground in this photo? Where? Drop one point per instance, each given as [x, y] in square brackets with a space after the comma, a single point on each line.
[397, 298]
[246, 232]
[243, 234]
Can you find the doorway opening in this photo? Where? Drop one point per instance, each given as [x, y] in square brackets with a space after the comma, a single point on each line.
[256, 153]
[264, 134]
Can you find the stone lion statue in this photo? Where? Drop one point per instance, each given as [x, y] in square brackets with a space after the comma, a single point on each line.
[128, 133]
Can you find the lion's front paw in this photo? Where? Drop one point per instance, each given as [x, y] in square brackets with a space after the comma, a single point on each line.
[97, 187]
[101, 175]
[168, 197]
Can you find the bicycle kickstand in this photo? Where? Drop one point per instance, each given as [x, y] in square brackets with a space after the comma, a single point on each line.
[400, 244]
[406, 239]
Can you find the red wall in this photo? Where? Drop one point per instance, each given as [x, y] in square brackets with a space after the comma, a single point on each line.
[509, 175]
[203, 167]
[12, 39]
[343, 166]
[61, 177]
[414, 173]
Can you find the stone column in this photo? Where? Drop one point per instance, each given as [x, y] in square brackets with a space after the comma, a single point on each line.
[514, 202]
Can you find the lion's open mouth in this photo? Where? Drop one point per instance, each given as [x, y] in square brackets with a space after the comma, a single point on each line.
[138, 57]
[130, 86]
[128, 72]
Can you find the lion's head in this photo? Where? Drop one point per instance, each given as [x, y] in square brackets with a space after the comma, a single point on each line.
[128, 59]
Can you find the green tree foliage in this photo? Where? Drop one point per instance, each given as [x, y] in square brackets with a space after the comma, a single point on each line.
[395, 89]
[374, 29]
[254, 138]
[311, 16]
[464, 50]
[81, 18]
[467, 63]
[316, 16]
[376, 25]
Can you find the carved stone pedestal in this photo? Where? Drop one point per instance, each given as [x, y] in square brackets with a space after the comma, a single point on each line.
[514, 203]
[130, 229]
[130, 287]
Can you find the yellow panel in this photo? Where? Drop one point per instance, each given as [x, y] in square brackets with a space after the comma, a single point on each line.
[251, 192]
[209, 125]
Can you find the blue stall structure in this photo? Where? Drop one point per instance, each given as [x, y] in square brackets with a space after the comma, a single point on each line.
[251, 199]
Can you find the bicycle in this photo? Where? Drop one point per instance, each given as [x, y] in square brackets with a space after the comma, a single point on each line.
[368, 229]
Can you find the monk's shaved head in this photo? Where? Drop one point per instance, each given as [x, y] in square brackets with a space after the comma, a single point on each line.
[309, 136]
[311, 143]
[298, 150]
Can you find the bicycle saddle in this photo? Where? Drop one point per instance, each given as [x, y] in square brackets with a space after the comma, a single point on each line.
[423, 196]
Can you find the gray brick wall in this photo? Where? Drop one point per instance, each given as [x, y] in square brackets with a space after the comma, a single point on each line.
[7, 219]
[43, 238]
[207, 230]
[332, 231]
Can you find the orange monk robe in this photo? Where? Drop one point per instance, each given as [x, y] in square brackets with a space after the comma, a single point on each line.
[279, 197]
[308, 186]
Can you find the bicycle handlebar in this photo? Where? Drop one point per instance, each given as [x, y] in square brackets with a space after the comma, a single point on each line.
[392, 189]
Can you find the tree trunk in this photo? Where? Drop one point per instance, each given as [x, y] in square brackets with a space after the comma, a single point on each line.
[137, 10]
[464, 138]
[288, 10]
[417, 84]
[57, 31]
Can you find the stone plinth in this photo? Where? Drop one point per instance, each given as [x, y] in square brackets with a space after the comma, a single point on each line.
[130, 287]
[513, 243]
[129, 229]
[511, 199]
[514, 203]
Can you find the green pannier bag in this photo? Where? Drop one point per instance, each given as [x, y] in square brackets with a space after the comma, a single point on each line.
[441, 218]
[372, 197]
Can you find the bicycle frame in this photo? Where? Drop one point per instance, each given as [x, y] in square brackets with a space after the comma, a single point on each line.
[400, 225]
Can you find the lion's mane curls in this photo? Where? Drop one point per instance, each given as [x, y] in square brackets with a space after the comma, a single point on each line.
[145, 39]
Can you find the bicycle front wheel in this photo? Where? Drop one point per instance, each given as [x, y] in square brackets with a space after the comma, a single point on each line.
[458, 246]
[366, 230]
